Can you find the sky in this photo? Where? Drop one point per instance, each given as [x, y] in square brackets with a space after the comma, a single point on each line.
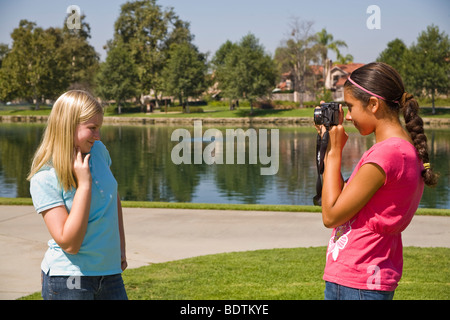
[213, 22]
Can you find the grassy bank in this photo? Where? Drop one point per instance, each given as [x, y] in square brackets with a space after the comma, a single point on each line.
[206, 111]
[210, 111]
[219, 206]
[277, 274]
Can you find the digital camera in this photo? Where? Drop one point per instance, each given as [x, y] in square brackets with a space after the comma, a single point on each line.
[327, 114]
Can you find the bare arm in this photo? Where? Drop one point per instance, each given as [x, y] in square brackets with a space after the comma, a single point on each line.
[68, 230]
[340, 204]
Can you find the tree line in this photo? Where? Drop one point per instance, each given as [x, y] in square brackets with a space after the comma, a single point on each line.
[425, 65]
[152, 52]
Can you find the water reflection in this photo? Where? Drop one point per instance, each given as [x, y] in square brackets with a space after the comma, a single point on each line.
[141, 162]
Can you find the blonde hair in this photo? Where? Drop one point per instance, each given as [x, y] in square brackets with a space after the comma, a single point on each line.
[57, 144]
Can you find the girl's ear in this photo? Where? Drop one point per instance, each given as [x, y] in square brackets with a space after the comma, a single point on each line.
[374, 104]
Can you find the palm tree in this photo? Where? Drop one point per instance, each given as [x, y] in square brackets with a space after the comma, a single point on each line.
[345, 59]
[325, 42]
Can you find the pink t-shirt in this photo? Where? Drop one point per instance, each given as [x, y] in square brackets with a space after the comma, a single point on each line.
[366, 252]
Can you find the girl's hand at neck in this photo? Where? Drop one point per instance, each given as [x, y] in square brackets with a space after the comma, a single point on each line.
[81, 169]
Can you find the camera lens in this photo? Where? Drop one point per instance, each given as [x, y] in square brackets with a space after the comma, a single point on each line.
[318, 116]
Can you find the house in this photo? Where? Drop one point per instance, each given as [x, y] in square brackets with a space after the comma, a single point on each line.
[337, 76]
[286, 83]
[285, 89]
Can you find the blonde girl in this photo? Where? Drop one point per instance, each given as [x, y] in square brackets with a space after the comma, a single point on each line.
[72, 187]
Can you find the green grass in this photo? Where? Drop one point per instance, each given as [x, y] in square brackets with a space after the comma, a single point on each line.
[215, 111]
[276, 274]
[438, 102]
[24, 110]
[242, 112]
[439, 112]
[426, 274]
[279, 274]
[220, 206]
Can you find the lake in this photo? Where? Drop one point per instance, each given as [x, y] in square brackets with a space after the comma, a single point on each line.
[143, 163]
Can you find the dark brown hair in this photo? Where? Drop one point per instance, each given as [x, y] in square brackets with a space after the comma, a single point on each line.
[383, 80]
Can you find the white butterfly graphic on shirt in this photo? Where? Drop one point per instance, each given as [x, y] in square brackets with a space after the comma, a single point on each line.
[340, 240]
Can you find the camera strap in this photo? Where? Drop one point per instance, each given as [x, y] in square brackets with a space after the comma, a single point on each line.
[321, 148]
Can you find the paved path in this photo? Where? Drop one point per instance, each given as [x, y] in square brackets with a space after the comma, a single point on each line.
[159, 235]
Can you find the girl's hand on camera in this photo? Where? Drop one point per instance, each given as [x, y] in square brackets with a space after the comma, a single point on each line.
[81, 169]
[338, 138]
[341, 114]
[321, 128]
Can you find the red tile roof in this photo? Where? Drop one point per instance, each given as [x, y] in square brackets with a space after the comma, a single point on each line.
[341, 81]
[317, 69]
[349, 68]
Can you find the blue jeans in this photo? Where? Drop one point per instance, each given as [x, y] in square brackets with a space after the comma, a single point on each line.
[335, 291]
[83, 287]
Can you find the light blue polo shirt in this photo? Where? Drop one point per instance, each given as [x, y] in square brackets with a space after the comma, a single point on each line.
[100, 251]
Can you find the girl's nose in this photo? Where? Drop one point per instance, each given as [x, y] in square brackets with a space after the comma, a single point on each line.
[348, 117]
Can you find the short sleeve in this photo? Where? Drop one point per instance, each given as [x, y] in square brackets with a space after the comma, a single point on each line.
[104, 152]
[45, 190]
[389, 158]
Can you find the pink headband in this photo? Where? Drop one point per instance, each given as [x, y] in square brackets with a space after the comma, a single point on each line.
[367, 91]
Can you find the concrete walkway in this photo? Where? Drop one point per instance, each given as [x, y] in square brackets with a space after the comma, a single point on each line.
[160, 235]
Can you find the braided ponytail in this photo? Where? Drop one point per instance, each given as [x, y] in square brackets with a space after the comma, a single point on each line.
[414, 125]
[383, 81]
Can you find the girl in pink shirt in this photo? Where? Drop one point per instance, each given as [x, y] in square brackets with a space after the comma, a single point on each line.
[369, 211]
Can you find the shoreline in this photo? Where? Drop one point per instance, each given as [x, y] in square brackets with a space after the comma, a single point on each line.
[171, 120]
[113, 120]
[222, 206]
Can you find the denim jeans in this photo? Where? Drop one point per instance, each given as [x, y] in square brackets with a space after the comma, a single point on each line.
[335, 291]
[83, 287]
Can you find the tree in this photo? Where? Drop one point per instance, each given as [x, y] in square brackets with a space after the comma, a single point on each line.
[185, 72]
[218, 64]
[428, 64]
[244, 70]
[80, 58]
[348, 58]
[43, 63]
[297, 52]
[118, 77]
[325, 42]
[148, 32]
[395, 56]
[30, 70]
[4, 50]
